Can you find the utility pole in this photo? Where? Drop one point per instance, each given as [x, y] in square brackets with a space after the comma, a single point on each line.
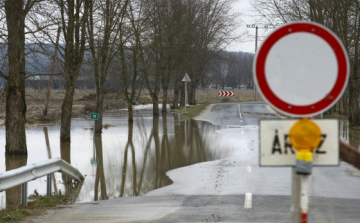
[254, 26]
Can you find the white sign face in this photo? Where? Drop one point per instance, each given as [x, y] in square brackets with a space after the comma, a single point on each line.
[301, 69]
[276, 149]
[186, 78]
[290, 69]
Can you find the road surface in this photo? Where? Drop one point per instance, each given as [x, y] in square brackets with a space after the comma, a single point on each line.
[234, 189]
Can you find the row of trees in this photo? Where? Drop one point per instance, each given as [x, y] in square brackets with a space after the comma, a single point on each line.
[148, 43]
[231, 69]
[343, 18]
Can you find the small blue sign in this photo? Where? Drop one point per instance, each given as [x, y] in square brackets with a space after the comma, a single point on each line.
[94, 116]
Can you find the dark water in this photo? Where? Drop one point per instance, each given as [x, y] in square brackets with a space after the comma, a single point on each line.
[125, 160]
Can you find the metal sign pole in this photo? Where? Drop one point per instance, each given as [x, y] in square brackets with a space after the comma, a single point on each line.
[185, 94]
[186, 79]
[256, 39]
[295, 195]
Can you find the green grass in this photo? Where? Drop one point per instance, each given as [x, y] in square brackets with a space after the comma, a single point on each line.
[191, 111]
[37, 205]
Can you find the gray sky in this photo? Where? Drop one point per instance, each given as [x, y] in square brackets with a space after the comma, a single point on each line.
[247, 43]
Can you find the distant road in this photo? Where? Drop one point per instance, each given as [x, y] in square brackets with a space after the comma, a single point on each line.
[234, 189]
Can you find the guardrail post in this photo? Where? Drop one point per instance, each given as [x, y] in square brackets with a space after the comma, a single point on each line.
[24, 194]
[48, 184]
[68, 185]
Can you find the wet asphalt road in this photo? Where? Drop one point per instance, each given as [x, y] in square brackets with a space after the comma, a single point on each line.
[335, 190]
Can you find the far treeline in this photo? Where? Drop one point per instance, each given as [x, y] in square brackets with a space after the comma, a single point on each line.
[340, 16]
[147, 44]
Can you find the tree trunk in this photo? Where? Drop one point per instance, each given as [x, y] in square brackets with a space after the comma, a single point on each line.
[177, 87]
[74, 17]
[66, 111]
[165, 92]
[176, 99]
[182, 94]
[99, 108]
[155, 100]
[130, 111]
[354, 116]
[65, 154]
[15, 88]
[191, 92]
[51, 73]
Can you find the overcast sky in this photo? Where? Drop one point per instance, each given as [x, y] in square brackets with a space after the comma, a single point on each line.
[248, 16]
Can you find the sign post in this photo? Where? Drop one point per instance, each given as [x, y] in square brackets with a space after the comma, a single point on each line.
[301, 70]
[186, 79]
[95, 117]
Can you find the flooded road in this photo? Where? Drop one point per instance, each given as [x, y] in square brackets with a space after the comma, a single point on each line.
[193, 171]
[125, 160]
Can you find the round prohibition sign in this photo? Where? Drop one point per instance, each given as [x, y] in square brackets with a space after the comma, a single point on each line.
[301, 69]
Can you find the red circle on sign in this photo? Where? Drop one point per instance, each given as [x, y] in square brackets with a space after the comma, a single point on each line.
[291, 108]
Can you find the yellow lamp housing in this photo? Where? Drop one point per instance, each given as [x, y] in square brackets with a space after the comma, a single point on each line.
[305, 135]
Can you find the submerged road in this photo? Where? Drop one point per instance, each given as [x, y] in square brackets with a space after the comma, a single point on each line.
[234, 189]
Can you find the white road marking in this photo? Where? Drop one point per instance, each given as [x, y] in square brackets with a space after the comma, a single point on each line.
[248, 169]
[248, 201]
[240, 114]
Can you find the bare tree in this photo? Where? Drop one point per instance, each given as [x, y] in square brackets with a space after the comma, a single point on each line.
[74, 15]
[131, 28]
[211, 30]
[103, 31]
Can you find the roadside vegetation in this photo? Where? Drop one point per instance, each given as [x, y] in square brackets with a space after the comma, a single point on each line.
[114, 102]
[37, 206]
[192, 111]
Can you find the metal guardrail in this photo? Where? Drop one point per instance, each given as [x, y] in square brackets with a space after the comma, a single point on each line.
[22, 175]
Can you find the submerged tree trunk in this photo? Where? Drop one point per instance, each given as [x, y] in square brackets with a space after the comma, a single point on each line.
[13, 198]
[15, 88]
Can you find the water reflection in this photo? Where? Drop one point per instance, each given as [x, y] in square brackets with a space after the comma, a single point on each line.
[46, 134]
[125, 160]
[148, 153]
[100, 175]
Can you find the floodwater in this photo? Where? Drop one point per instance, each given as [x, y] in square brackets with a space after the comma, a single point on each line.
[125, 160]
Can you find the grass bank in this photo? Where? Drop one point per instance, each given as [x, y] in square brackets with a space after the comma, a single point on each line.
[37, 206]
[191, 111]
